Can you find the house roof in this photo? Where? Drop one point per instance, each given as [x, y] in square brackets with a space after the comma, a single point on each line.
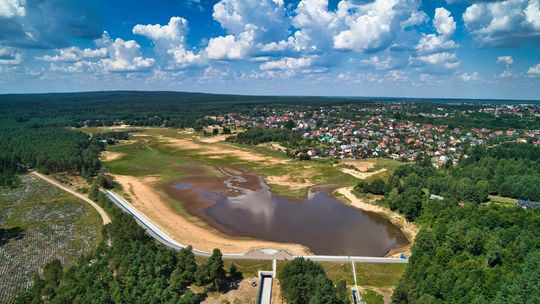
[527, 204]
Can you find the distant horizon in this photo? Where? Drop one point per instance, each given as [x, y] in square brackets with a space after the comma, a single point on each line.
[380, 98]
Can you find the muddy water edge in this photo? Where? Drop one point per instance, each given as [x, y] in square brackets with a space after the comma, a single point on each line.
[239, 203]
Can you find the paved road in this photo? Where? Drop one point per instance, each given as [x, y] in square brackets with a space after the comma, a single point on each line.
[267, 254]
[104, 216]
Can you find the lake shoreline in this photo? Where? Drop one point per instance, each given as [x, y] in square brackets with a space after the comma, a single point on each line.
[409, 229]
[144, 194]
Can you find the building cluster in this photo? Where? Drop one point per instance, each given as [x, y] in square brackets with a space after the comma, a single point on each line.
[349, 132]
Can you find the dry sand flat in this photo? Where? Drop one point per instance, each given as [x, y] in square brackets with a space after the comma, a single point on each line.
[409, 229]
[215, 148]
[108, 156]
[360, 168]
[289, 181]
[186, 229]
[219, 149]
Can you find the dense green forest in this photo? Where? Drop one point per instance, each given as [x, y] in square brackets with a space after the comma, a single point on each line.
[257, 136]
[128, 267]
[304, 281]
[46, 149]
[291, 140]
[170, 109]
[469, 250]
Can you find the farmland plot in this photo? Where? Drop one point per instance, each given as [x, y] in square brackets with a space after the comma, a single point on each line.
[40, 223]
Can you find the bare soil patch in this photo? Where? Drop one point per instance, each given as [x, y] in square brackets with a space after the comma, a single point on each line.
[273, 146]
[187, 229]
[108, 156]
[217, 150]
[289, 181]
[245, 293]
[360, 168]
[214, 139]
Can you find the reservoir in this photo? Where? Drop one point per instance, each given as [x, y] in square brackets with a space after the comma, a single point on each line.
[241, 204]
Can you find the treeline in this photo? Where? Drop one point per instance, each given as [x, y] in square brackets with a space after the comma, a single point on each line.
[478, 120]
[303, 281]
[296, 146]
[129, 267]
[46, 149]
[511, 170]
[473, 254]
[257, 136]
[467, 251]
[169, 109]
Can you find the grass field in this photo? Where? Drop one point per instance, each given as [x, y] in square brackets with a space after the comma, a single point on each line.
[369, 275]
[502, 200]
[40, 223]
[149, 154]
[371, 297]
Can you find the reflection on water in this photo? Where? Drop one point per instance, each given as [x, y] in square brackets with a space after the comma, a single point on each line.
[244, 206]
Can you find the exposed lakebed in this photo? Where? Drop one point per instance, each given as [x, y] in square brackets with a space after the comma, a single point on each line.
[241, 204]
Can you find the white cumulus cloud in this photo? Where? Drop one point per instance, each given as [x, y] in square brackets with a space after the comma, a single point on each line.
[73, 54]
[374, 26]
[124, 56]
[534, 70]
[230, 46]
[470, 77]
[434, 43]
[170, 41]
[444, 22]
[507, 60]
[266, 18]
[10, 57]
[169, 35]
[287, 63]
[445, 60]
[503, 23]
[12, 8]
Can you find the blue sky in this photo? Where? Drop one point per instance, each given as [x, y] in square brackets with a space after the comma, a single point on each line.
[408, 48]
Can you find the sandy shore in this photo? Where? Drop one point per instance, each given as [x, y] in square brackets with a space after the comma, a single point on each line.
[409, 229]
[186, 229]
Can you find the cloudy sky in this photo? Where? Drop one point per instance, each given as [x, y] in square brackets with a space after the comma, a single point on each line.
[412, 48]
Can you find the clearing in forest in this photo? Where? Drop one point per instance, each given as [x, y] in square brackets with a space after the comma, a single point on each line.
[40, 223]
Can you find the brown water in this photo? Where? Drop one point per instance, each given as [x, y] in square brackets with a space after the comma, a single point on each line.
[242, 204]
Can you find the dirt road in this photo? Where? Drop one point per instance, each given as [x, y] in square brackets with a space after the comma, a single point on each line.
[104, 216]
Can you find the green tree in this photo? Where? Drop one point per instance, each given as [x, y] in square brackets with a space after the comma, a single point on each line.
[184, 273]
[234, 274]
[342, 292]
[303, 281]
[377, 186]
